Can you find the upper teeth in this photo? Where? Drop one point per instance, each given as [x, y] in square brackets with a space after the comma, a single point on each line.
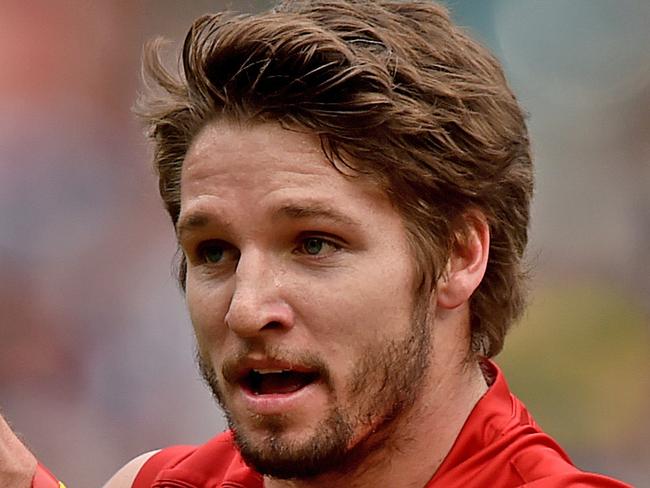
[269, 371]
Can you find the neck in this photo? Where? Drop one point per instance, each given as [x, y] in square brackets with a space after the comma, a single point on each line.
[417, 443]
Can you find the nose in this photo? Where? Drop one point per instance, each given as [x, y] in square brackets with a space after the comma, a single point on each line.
[257, 302]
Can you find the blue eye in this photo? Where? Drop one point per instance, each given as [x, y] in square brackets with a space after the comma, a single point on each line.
[211, 252]
[313, 245]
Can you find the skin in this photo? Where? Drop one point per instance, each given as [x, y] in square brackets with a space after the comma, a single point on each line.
[125, 477]
[17, 463]
[257, 195]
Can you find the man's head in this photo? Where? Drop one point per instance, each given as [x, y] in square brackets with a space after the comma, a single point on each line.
[327, 165]
[392, 89]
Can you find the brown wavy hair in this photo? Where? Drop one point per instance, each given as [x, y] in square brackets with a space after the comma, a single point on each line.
[395, 91]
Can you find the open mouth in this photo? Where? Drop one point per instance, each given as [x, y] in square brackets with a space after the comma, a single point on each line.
[276, 382]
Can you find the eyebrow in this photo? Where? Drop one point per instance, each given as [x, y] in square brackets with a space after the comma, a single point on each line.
[313, 210]
[192, 222]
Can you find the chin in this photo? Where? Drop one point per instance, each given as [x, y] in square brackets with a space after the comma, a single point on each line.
[280, 453]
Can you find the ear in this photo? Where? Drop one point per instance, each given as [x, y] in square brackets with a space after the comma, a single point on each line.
[467, 261]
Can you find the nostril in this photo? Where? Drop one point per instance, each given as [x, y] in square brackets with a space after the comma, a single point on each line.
[247, 317]
[274, 325]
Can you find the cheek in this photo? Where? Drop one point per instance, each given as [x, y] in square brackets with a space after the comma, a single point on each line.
[207, 309]
[360, 313]
[383, 292]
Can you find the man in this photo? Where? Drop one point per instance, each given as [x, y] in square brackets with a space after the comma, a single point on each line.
[350, 184]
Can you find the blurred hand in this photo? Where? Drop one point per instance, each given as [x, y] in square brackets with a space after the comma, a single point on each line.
[17, 464]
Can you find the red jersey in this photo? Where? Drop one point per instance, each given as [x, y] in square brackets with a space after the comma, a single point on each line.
[499, 446]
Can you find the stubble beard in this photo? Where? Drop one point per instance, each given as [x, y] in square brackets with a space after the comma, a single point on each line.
[382, 390]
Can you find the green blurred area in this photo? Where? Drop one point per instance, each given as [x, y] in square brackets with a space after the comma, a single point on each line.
[580, 361]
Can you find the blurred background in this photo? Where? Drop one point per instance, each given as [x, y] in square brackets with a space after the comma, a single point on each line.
[96, 360]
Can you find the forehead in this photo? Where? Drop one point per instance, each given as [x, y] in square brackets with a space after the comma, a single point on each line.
[257, 137]
[264, 166]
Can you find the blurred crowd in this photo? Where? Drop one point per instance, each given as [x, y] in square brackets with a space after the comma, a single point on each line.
[97, 352]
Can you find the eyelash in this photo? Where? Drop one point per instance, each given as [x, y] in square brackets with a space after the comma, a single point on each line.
[204, 247]
[325, 240]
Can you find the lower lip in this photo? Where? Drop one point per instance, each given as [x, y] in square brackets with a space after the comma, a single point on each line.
[278, 403]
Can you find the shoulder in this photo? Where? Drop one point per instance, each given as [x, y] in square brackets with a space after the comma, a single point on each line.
[193, 465]
[502, 445]
[143, 470]
[126, 475]
[578, 480]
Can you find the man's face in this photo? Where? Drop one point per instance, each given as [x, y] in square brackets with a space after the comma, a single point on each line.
[300, 286]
